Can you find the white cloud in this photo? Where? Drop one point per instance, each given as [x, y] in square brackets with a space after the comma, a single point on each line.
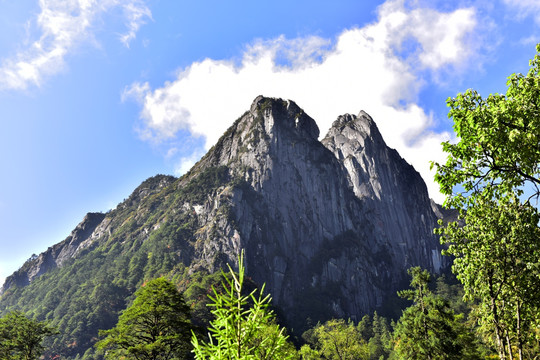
[366, 68]
[136, 13]
[525, 8]
[62, 24]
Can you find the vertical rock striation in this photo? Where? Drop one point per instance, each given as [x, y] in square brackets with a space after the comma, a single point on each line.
[331, 227]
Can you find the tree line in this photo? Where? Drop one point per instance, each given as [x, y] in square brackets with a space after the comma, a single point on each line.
[157, 326]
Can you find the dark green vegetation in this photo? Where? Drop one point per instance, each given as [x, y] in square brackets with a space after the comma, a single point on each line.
[92, 289]
[21, 338]
[492, 176]
[242, 326]
[429, 329]
[154, 327]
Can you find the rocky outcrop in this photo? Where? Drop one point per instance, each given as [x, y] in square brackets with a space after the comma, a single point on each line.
[55, 256]
[390, 188]
[93, 227]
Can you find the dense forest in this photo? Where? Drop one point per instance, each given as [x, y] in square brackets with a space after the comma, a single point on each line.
[492, 310]
[160, 324]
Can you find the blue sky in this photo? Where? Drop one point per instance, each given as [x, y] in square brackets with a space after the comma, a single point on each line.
[98, 95]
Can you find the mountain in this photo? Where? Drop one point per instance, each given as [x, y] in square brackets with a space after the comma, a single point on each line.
[329, 226]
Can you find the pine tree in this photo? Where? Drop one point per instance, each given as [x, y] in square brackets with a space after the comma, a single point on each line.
[429, 329]
[155, 327]
[244, 327]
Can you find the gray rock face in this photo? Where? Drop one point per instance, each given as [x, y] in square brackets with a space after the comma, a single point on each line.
[332, 225]
[391, 189]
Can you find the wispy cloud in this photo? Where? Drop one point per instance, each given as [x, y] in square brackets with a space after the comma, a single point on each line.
[136, 14]
[379, 68]
[525, 8]
[62, 25]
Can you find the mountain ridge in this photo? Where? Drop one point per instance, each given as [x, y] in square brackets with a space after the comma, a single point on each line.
[329, 226]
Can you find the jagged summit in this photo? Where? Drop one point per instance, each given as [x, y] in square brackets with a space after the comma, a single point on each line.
[287, 112]
[362, 123]
[329, 226]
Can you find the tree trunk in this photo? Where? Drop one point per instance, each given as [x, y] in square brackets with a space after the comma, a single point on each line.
[510, 352]
[518, 330]
[500, 346]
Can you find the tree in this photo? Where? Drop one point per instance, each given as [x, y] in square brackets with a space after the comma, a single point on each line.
[499, 146]
[155, 327]
[244, 327]
[495, 171]
[336, 339]
[340, 340]
[21, 338]
[379, 343]
[429, 329]
[497, 252]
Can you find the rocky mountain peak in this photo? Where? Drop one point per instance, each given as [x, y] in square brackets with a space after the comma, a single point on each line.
[329, 226]
[390, 187]
[57, 255]
[352, 134]
[284, 114]
[362, 123]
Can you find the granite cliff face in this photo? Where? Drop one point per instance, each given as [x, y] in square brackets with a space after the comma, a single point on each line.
[390, 188]
[330, 226]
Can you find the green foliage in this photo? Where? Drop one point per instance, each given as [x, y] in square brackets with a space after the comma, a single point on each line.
[497, 261]
[379, 344]
[156, 326]
[22, 338]
[429, 329]
[244, 327]
[151, 234]
[198, 188]
[499, 147]
[340, 340]
[496, 168]
[308, 353]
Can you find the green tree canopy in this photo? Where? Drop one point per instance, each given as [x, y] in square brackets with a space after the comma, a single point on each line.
[244, 327]
[155, 327]
[429, 329]
[499, 141]
[21, 337]
[340, 340]
[497, 260]
[492, 175]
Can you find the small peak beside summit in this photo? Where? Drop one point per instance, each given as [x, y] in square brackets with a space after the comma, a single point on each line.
[359, 124]
[362, 113]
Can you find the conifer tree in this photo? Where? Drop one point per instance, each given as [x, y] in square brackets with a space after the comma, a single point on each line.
[429, 329]
[155, 327]
[244, 327]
